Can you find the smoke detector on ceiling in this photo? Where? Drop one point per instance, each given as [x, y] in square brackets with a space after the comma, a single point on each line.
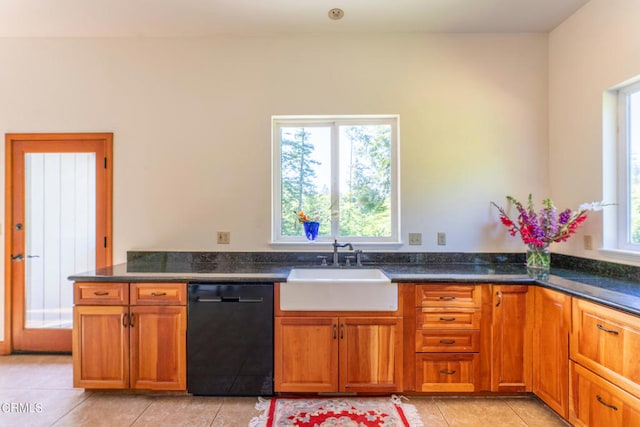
[336, 13]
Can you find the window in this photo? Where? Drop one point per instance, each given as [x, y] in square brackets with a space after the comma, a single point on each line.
[342, 171]
[629, 167]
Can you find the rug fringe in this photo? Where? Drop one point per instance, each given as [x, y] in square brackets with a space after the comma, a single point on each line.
[410, 411]
[263, 406]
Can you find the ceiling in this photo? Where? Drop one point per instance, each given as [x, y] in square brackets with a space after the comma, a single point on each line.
[171, 18]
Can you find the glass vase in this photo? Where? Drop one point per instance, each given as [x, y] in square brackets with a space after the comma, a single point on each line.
[539, 259]
[311, 229]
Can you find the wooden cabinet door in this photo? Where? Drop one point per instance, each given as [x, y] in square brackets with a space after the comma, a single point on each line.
[607, 342]
[511, 340]
[100, 347]
[597, 402]
[158, 347]
[551, 328]
[370, 354]
[306, 354]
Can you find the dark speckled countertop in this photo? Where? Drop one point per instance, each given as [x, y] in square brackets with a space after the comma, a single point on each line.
[617, 289]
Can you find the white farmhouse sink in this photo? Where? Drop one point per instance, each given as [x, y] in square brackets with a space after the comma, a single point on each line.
[335, 289]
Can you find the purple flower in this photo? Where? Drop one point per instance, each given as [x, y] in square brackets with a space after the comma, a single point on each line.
[565, 216]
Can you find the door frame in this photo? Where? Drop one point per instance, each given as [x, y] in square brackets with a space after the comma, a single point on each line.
[6, 347]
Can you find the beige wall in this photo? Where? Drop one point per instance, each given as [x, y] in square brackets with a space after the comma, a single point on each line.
[595, 49]
[191, 123]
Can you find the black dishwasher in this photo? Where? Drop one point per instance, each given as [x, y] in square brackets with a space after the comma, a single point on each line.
[230, 339]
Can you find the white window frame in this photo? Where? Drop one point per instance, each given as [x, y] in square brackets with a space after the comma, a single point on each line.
[334, 122]
[623, 167]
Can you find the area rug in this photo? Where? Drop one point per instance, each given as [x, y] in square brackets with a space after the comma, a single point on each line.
[336, 412]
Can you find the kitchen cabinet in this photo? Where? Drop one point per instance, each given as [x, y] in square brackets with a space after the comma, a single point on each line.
[130, 335]
[551, 328]
[597, 402]
[605, 375]
[447, 337]
[512, 324]
[330, 351]
[607, 342]
[334, 353]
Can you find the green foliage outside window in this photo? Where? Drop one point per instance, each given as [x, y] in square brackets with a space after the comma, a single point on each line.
[362, 203]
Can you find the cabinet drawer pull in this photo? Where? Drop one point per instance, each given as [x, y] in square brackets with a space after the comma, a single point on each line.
[447, 341]
[341, 331]
[611, 331]
[158, 294]
[101, 294]
[602, 402]
[447, 319]
[445, 372]
[124, 320]
[447, 298]
[131, 318]
[499, 295]
[335, 331]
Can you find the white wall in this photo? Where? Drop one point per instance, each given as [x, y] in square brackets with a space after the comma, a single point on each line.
[595, 49]
[191, 123]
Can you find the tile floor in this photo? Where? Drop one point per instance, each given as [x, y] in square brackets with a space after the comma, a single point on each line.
[42, 385]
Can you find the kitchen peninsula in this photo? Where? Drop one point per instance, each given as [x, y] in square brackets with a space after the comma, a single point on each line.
[465, 323]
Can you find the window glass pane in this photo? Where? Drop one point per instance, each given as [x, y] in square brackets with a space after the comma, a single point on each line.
[634, 167]
[365, 181]
[60, 233]
[305, 165]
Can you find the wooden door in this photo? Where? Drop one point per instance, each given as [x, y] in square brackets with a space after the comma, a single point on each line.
[370, 354]
[42, 171]
[101, 347]
[158, 337]
[511, 329]
[552, 325]
[306, 354]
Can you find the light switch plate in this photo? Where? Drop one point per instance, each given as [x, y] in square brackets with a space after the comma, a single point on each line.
[442, 238]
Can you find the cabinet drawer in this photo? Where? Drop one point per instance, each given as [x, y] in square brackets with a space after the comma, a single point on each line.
[92, 293]
[438, 295]
[448, 341]
[447, 372]
[607, 342]
[447, 319]
[597, 402]
[158, 294]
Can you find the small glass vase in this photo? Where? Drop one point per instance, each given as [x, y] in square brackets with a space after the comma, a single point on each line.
[538, 260]
[311, 229]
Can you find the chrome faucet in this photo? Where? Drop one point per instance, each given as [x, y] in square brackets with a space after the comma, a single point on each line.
[337, 245]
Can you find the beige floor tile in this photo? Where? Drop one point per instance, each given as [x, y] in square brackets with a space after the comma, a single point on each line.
[478, 412]
[535, 413]
[180, 411]
[236, 412]
[428, 411]
[22, 407]
[35, 372]
[107, 409]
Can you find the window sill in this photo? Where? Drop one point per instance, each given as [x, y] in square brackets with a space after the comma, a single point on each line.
[621, 255]
[326, 245]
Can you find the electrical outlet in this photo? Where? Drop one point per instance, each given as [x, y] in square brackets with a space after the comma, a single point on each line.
[224, 237]
[415, 238]
[442, 238]
[588, 242]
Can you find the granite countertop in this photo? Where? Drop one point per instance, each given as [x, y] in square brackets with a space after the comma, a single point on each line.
[616, 293]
